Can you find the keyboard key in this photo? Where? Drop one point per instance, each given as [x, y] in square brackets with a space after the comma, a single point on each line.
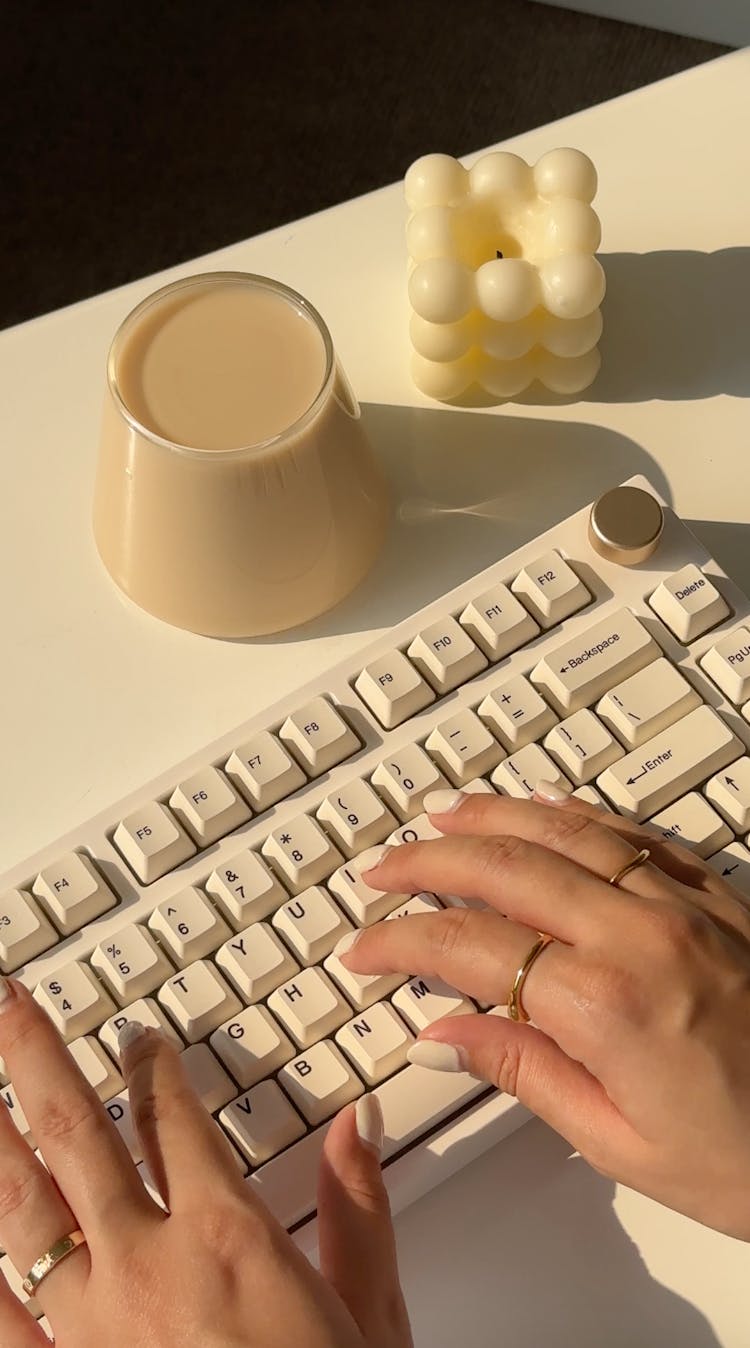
[252, 1046]
[96, 1066]
[288, 1184]
[498, 622]
[732, 863]
[208, 806]
[376, 1041]
[647, 702]
[519, 774]
[590, 795]
[256, 961]
[152, 842]
[692, 822]
[729, 791]
[24, 930]
[357, 817]
[551, 589]
[360, 902]
[73, 892]
[517, 713]
[361, 989]
[582, 746]
[446, 655]
[586, 666]
[146, 1012]
[393, 689]
[311, 924]
[319, 736]
[688, 603]
[9, 1098]
[418, 829]
[309, 1007]
[264, 772]
[188, 926]
[424, 1000]
[406, 778]
[417, 1099]
[463, 747]
[121, 1115]
[74, 1000]
[320, 1082]
[198, 1000]
[245, 889]
[302, 853]
[670, 764]
[262, 1122]
[207, 1077]
[728, 664]
[131, 964]
[420, 904]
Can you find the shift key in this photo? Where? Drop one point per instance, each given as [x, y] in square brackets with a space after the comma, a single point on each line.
[673, 762]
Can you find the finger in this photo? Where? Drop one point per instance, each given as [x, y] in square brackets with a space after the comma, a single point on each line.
[355, 1231]
[17, 1328]
[81, 1146]
[185, 1150]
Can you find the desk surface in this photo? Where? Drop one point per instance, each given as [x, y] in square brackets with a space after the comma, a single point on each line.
[97, 697]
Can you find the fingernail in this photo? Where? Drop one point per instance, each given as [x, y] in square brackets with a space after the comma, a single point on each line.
[131, 1031]
[438, 1057]
[369, 1119]
[367, 861]
[6, 992]
[443, 802]
[554, 793]
[346, 943]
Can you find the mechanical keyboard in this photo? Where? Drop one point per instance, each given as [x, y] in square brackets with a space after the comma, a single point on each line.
[209, 903]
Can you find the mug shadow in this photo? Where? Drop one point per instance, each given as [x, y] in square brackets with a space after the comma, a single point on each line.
[728, 541]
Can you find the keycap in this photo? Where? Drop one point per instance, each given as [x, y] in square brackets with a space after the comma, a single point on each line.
[319, 736]
[405, 778]
[149, 1184]
[301, 852]
[446, 655]
[96, 1066]
[256, 961]
[517, 713]
[24, 930]
[376, 1041]
[519, 774]
[311, 924]
[10, 1099]
[584, 667]
[152, 842]
[207, 1077]
[320, 1082]
[647, 702]
[729, 791]
[360, 902]
[356, 816]
[670, 764]
[728, 664]
[692, 822]
[146, 1012]
[420, 904]
[131, 964]
[732, 863]
[262, 1122]
[498, 622]
[72, 892]
[74, 1000]
[463, 747]
[14, 1280]
[121, 1115]
[551, 589]
[252, 1045]
[361, 989]
[418, 829]
[264, 771]
[208, 806]
[688, 603]
[424, 1000]
[582, 746]
[188, 926]
[245, 889]
[198, 1000]
[590, 795]
[309, 1007]
[393, 689]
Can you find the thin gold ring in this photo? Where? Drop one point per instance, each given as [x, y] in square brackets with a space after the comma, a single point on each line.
[643, 855]
[515, 1006]
[44, 1265]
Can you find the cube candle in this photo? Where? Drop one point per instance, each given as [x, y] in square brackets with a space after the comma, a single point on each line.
[504, 284]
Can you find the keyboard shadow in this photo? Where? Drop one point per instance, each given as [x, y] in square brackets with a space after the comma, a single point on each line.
[728, 542]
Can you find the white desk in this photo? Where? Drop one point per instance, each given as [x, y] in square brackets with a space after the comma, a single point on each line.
[526, 1246]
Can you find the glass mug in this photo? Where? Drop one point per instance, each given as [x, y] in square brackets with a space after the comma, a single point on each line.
[236, 493]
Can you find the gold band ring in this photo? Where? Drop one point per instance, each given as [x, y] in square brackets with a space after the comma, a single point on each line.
[629, 866]
[50, 1259]
[515, 1006]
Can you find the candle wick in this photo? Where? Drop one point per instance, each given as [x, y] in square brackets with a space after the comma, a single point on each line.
[499, 254]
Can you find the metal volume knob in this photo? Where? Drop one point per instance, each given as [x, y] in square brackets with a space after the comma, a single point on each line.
[625, 525]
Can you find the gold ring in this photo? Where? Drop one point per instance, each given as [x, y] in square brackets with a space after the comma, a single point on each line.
[515, 1007]
[643, 855]
[50, 1259]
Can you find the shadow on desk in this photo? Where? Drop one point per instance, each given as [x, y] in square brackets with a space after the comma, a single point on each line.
[728, 542]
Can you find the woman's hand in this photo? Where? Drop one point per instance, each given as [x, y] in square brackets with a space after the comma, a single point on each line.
[217, 1271]
[639, 1051]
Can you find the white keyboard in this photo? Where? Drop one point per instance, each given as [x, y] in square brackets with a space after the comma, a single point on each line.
[209, 903]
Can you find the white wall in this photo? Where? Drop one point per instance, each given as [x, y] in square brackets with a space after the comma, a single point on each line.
[726, 21]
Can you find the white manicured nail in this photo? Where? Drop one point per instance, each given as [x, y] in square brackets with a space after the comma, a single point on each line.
[367, 861]
[369, 1119]
[443, 802]
[5, 993]
[346, 943]
[131, 1031]
[554, 793]
[438, 1057]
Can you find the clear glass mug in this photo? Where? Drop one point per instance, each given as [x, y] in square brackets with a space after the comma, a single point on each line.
[234, 541]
